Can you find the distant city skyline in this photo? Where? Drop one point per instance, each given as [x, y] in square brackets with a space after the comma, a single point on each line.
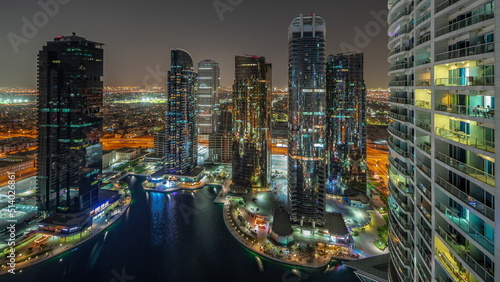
[140, 35]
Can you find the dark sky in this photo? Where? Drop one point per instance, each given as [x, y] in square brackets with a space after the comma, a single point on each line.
[139, 34]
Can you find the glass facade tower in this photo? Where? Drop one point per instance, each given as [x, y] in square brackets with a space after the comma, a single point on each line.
[346, 98]
[69, 124]
[252, 122]
[307, 148]
[181, 122]
[443, 225]
[208, 85]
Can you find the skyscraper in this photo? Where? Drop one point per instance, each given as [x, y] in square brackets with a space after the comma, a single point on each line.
[69, 124]
[307, 150]
[252, 122]
[208, 85]
[181, 122]
[442, 218]
[346, 98]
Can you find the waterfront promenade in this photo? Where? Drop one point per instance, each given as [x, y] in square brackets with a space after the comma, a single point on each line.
[57, 246]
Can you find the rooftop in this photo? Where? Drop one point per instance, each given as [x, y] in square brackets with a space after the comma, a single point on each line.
[335, 224]
[281, 223]
[375, 268]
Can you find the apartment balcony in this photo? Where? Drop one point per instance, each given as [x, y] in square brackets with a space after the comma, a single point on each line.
[425, 146]
[481, 17]
[426, 214]
[481, 269]
[425, 190]
[401, 258]
[402, 238]
[425, 169]
[425, 234]
[426, 254]
[423, 18]
[467, 110]
[402, 31]
[400, 83]
[466, 139]
[401, 118]
[398, 167]
[486, 80]
[404, 12]
[400, 100]
[466, 199]
[397, 132]
[398, 150]
[451, 267]
[445, 5]
[422, 61]
[465, 226]
[467, 51]
[401, 204]
[400, 66]
[423, 104]
[400, 49]
[423, 82]
[424, 125]
[423, 39]
[467, 169]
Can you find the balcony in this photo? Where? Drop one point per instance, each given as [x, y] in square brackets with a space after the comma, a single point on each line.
[400, 32]
[486, 80]
[424, 125]
[467, 169]
[398, 150]
[423, 18]
[465, 226]
[398, 167]
[451, 267]
[466, 199]
[422, 62]
[467, 51]
[425, 234]
[400, 66]
[402, 118]
[425, 169]
[426, 254]
[445, 5]
[397, 132]
[403, 239]
[399, 100]
[399, 83]
[425, 146]
[423, 82]
[404, 12]
[425, 190]
[481, 17]
[424, 39]
[467, 110]
[403, 206]
[423, 104]
[479, 268]
[466, 139]
[400, 49]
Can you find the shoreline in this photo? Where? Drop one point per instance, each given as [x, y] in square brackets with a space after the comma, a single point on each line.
[248, 247]
[117, 217]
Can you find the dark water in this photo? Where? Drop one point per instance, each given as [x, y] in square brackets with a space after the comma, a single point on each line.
[181, 237]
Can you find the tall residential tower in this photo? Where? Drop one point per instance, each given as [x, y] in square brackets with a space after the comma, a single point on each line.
[307, 148]
[208, 85]
[181, 122]
[346, 98]
[69, 124]
[252, 122]
[443, 224]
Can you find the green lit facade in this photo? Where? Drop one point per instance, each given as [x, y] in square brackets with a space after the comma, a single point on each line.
[69, 124]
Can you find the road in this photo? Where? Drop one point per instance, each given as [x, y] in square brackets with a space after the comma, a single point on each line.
[378, 162]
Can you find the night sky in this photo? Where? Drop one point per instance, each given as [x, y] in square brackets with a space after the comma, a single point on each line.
[139, 34]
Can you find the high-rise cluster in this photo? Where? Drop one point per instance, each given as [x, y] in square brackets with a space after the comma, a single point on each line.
[443, 225]
[69, 124]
